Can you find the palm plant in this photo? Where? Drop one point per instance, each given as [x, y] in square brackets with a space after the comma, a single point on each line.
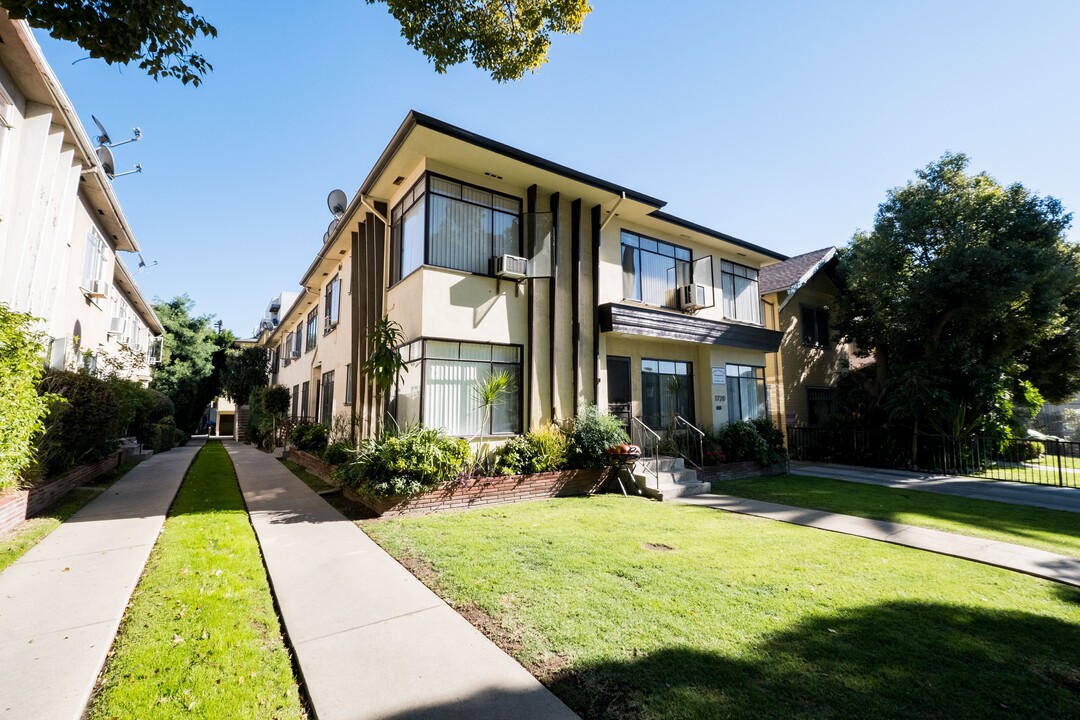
[489, 391]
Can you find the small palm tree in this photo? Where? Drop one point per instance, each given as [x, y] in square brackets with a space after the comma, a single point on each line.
[489, 391]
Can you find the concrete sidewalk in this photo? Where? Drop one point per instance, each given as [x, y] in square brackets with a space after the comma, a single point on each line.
[61, 603]
[1044, 496]
[1047, 565]
[371, 640]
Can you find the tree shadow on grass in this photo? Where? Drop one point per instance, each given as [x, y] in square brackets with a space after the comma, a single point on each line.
[895, 660]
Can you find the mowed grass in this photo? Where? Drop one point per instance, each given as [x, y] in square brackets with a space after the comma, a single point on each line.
[628, 608]
[201, 638]
[1052, 530]
[18, 541]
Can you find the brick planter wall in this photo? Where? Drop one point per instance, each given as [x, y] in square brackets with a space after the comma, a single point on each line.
[739, 470]
[18, 505]
[312, 464]
[487, 491]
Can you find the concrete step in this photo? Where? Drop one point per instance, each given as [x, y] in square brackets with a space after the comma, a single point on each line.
[663, 463]
[674, 490]
[674, 481]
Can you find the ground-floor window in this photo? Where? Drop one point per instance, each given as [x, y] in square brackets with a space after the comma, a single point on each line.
[667, 389]
[820, 404]
[326, 412]
[438, 387]
[746, 393]
[295, 401]
[304, 392]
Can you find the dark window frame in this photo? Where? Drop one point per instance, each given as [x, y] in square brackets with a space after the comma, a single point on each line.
[759, 375]
[399, 211]
[350, 385]
[520, 384]
[332, 305]
[756, 294]
[691, 410]
[312, 330]
[811, 334]
[636, 246]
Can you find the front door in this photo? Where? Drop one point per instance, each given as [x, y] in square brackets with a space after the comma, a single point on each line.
[618, 384]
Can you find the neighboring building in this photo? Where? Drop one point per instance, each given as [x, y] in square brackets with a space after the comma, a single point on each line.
[810, 361]
[492, 259]
[61, 225]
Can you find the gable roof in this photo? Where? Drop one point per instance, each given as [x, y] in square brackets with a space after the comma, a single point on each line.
[794, 272]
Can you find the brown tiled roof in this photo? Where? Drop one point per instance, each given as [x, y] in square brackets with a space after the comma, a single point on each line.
[783, 275]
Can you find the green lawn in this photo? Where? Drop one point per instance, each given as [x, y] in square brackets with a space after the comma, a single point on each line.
[628, 608]
[1051, 530]
[201, 638]
[18, 542]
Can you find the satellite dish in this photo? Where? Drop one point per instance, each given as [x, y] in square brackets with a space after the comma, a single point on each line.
[337, 202]
[325, 237]
[103, 138]
[108, 163]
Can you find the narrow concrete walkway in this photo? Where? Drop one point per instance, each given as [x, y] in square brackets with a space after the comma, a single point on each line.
[1047, 565]
[371, 640]
[1044, 496]
[61, 603]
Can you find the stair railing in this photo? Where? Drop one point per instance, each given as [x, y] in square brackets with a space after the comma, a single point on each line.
[693, 450]
[646, 438]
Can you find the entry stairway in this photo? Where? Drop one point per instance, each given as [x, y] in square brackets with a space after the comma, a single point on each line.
[667, 477]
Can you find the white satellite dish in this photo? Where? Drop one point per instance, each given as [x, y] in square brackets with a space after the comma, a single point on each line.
[337, 202]
[325, 237]
[331, 227]
[104, 152]
[108, 162]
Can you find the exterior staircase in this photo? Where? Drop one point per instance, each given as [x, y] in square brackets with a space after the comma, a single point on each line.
[667, 477]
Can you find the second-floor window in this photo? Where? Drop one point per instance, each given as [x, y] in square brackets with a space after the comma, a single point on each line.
[332, 306]
[312, 330]
[452, 224]
[653, 269]
[94, 260]
[739, 286]
[815, 326]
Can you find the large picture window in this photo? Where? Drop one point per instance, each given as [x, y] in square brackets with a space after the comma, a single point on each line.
[746, 393]
[667, 389]
[466, 226]
[739, 286]
[653, 269]
[438, 387]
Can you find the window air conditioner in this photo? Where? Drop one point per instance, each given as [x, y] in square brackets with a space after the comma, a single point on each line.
[511, 267]
[294, 355]
[330, 323]
[97, 289]
[691, 297]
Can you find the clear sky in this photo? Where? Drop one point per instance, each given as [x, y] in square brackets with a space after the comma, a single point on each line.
[782, 123]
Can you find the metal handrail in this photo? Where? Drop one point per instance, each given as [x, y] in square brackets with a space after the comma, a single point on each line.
[637, 425]
[700, 462]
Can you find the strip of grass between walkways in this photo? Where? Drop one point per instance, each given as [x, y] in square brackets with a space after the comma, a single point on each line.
[1052, 530]
[20, 540]
[201, 637]
[636, 610]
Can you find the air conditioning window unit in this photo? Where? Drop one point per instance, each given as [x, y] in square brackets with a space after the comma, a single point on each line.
[691, 297]
[294, 355]
[331, 323]
[511, 267]
[97, 289]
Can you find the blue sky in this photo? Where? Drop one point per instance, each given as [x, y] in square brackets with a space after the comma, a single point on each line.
[783, 123]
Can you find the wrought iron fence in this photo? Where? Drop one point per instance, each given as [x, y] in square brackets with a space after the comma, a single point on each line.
[1051, 462]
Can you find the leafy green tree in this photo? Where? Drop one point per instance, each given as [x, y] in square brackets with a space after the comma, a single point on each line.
[23, 410]
[504, 38]
[963, 289]
[193, 356]
[245, 370]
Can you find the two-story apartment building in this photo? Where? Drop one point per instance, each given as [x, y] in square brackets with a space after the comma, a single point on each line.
[492, 259]
[61, 225]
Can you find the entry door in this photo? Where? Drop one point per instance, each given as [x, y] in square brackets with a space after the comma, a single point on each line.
[618, 384]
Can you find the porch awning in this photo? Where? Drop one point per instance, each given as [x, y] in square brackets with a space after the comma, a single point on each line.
[633, 320]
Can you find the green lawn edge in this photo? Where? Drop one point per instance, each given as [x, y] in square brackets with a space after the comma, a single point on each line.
[627, 608]
[1055, 531]
[201, 637]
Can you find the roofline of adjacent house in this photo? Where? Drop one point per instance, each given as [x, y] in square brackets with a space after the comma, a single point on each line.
[797, 285]
[148, 315]
[687, 224]
[418, 119]
[72, 124]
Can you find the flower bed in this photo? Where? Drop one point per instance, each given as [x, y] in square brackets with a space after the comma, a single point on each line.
[487, 491]
[314, 465]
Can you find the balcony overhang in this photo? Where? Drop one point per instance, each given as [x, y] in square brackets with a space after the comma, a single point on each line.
[632, 320]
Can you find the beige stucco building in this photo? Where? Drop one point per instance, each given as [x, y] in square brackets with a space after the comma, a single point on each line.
[495, 260]
[61, 226]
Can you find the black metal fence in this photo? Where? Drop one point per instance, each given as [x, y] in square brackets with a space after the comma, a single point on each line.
[1050, 462]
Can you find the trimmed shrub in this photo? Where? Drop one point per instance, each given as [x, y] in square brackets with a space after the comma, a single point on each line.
[405, 462]
[757, 440]
[180, 437]
[309, 437]
[338, 453]
[591, 433]
[22, 409]
[543, 449]
[87, 426]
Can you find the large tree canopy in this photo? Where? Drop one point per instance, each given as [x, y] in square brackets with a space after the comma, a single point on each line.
[504, 37]
[963, 290]
[245, 370]
[192, 360]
